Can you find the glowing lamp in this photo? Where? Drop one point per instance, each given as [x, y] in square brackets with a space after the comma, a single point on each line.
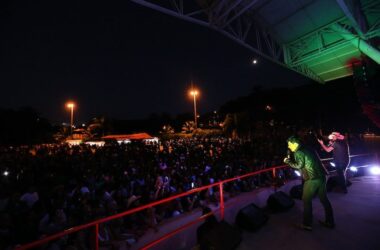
[375, 170]
[353, 169]
[70, 105]
[194, 92]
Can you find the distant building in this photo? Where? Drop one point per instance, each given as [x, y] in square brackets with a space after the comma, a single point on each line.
[131, 137]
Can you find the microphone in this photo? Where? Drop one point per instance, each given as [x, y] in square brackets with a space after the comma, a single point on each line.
[288, 154]
[316, 135]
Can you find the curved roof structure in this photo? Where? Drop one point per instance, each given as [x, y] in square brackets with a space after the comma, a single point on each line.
[317, 38]
[138, 136]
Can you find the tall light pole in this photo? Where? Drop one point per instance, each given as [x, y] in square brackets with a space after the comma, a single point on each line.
[71, 106]
[194, 93]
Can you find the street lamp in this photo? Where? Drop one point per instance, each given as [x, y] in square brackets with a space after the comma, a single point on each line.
[71, 106]
[194, 93]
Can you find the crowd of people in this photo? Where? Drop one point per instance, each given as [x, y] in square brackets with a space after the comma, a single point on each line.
[49, 188]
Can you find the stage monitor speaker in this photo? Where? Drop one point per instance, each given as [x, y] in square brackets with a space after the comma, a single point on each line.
[222, 236]
[280, 201]
[251, 217]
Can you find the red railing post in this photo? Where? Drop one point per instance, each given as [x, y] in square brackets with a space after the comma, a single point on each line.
[97, 236]
[274, 179]
[221, 201]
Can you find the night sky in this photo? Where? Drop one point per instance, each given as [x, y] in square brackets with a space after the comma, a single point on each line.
[121, 60]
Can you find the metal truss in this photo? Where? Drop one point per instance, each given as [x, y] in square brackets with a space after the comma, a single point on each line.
[319, 42]
[237, 20]
[310, 46]
[353, 12]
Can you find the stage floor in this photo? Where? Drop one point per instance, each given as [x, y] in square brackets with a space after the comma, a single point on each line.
[357, 217]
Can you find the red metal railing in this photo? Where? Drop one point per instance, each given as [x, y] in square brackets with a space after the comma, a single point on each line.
[95, 224]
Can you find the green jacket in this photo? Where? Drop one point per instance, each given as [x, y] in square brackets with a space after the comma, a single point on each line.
[308, 162]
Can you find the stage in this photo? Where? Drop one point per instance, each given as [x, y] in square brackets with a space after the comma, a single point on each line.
[357, 217]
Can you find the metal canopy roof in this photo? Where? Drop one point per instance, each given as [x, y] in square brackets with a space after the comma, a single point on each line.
[317, 38]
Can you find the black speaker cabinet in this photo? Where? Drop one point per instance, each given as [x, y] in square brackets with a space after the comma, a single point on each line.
[251, 217]
[280, 201]
[222, 236]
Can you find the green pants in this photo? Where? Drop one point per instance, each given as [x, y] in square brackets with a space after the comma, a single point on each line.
[310, 188]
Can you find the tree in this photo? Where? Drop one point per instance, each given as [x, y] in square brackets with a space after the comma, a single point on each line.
[237, 124]
[99, 126]
[23, 126]
[167, 129]
[188, 127]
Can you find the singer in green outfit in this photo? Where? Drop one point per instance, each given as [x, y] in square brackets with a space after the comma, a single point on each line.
[314, 176]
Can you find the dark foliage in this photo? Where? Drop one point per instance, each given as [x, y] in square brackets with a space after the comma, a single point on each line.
[23, 126]
[330, 106]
